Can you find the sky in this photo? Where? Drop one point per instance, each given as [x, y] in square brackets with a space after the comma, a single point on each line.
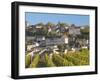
[35, 18]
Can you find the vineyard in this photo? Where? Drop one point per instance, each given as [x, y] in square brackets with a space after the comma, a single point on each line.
[78, 58]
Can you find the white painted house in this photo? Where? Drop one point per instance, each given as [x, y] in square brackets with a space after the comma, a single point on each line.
[29, 47]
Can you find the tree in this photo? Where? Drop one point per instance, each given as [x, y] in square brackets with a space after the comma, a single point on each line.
[49, 24]
[62, 47]
[40, 24]
[85, 32]
[62, 24]
[45, 30]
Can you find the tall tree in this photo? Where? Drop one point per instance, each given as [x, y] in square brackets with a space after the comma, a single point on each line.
[49, 24]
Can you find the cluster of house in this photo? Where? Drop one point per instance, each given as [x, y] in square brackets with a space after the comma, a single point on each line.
[42, 44]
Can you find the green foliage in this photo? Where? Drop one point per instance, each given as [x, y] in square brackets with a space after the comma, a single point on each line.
[72, 59]
[85, 32]
[49, 24]
[78, 58]
[52, 34]
[62, 47]
[40, 24]
[44, 30]
[62, 24]
[48, 61]
[35, 61]
[60, 61]
[29, 33]
[27, 60]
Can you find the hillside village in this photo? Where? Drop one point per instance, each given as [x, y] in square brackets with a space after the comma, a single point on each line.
[51, 38]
